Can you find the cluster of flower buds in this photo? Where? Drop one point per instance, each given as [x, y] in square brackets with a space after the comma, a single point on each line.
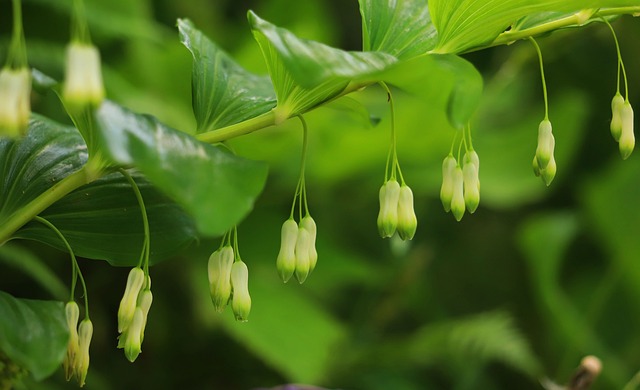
[396, 211]
[83, 76]
[229, 280]
[460, 189]
[76, 361]
[298, 252]
[622, 125]
[15, 91]
[133, 312]
[544, 163]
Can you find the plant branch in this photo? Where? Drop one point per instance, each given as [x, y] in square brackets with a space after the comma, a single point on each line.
[16, 220]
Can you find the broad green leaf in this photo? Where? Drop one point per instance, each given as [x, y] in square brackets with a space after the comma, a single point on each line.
[448, 81]
[33, 334]
[401, 28]
[465, 24]
[96, 215]
[214, 186]
[223, 92]
[307, 73]
[103, 220]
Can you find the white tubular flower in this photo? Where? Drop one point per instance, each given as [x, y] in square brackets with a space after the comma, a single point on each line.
[15, 106]
[83, 76]
[310, 226]
[457, 201]
[546, 144]
[286, 262]
[549, 172]
[128, 303]
[616, 116]
[303, 262]
[130, 298]
[471, 183]
[220, 264]
[446, 191]
[407, 220]
[388, 216]
[241, 301]
[627, 138]
[72, 313]
[85, 332]
[144, 303]
[133, 336]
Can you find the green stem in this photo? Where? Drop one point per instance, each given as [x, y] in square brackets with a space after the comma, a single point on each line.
[509, 37]
[26, 213]
[620, 62]
[74, 264]
[544, 82]
[250, 125]
[17, 56]
[144, 256]
[303, 189]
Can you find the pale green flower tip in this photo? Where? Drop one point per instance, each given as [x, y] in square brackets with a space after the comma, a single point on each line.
[446, 191]
[303, 261]
[83, 76]
[616, 116]
[72, 313]
[549, 173]
[546, 143]
[129, 301]
[627, 137]
[133, 342]
[310, 226]
[85, 333]
[407, 220]
[536, 167]
[241, 301]
[388, 215]
[471, 186]
[15, 101]
[457, 201]
[286, 260]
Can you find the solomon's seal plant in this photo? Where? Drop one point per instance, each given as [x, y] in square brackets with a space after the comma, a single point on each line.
[190, 184]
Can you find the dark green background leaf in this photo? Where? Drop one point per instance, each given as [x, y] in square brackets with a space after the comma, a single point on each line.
[33, 333]
[223, 92]
[104, 211]
[217, 188]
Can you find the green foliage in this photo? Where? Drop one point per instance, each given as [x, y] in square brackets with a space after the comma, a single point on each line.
[33, 334]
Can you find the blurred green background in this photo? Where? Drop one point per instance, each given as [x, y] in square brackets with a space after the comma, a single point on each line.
[533, 281]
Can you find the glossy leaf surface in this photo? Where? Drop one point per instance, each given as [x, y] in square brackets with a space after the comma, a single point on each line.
[33, 334]
[223, 93]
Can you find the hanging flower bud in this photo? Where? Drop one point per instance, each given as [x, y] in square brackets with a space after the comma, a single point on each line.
[388, 216]
[133, 336]
[85, 332]
[144, 303]
[72, 313]
[448, 173]
[616, 116]
[129, 300]
[310, 226]
[83, 76]
[241, 301]
[471, 183]
[549, 172]
[286, 262]
[15, 107]
[407, 221]
[546, 144]
[219, 269]
[457, 201]
[303, 262]
[627, 138]
[536, 167]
